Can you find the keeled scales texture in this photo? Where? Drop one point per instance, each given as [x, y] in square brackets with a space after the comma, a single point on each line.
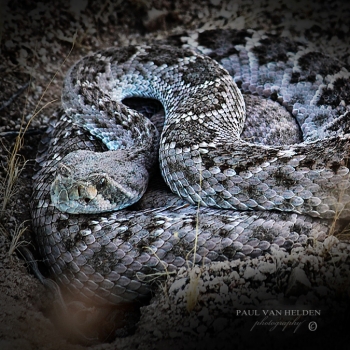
[204, 158]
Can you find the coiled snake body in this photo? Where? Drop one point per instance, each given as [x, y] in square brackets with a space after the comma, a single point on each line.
[272, 178]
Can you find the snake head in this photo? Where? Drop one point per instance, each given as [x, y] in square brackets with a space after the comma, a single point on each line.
[89, 182]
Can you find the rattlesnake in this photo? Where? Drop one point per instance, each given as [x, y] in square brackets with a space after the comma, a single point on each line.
[279, 182]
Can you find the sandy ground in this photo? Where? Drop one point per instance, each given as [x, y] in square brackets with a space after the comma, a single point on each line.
[36, 43]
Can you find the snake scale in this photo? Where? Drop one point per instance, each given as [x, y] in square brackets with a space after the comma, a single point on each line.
[255, 141]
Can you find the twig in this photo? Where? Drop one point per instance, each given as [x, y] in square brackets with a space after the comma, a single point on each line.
[14, 96]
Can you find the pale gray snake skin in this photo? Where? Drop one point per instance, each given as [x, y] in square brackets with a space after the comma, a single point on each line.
[280, 182]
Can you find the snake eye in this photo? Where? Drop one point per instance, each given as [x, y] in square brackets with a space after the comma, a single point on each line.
[101, 183]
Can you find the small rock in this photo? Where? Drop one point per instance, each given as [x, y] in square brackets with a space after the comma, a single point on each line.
[249, 273]
[330, 241]
[224, 289]
[322, 291]
[298, 283]
[267, 268]
[219, 324]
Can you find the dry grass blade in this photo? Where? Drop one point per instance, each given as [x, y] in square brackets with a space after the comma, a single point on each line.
[15, 165]
[18, 232]
[192, 292]
[14, 236]
[154, 276]
[344, 234]
[195, 273]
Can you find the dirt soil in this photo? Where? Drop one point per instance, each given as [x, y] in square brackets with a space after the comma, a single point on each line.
[38, 42]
